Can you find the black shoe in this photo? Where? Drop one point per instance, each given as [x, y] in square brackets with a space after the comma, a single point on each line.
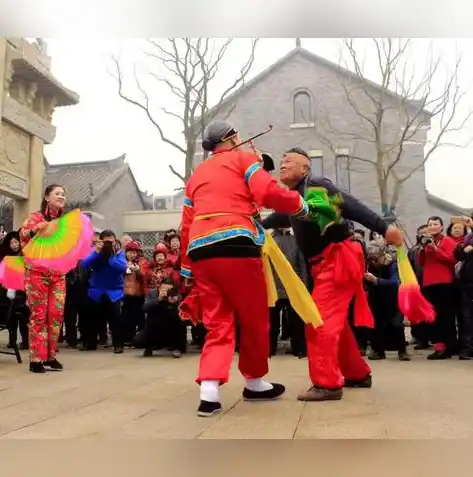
[403, 356]
[420, 346]
[118, 349]
[87, 348]
[54, 365]
[438, 355]
[374, 356]
[273, 393]
[37, 367]
[208, 408]
[302, 355]
[364, 383]
[147, 353]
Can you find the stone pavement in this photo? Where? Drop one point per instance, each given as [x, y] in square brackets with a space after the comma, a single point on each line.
[106, 396]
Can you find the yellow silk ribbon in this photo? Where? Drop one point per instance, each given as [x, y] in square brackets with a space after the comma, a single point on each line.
[297, 293]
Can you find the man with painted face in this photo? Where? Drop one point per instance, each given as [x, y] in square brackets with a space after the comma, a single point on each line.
[337, 268]
[221, 248]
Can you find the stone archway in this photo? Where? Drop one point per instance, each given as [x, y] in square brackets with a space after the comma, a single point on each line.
[29, 93]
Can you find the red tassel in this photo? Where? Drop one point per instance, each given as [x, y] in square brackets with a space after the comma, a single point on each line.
[414, 306]
[190, 308]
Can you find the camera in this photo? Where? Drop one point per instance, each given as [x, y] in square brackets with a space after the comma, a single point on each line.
[425, 240]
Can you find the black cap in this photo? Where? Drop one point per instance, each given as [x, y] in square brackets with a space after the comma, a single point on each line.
[217, 132]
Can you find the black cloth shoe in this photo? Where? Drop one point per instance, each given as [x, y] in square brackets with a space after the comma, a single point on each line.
[465, 356]
[37, 367]
[208, 408]
[438, 355]
[118, 349]
[54, 365]
[363, 383]
[148, 353]
[374, 356]
[273, 393]
[420, 346]
[403, 356]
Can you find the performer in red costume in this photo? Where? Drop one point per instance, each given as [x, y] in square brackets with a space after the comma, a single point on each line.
[221, 250]
[337, 268]
[45, 289]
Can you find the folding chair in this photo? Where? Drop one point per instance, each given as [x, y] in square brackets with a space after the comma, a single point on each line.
[11, 324]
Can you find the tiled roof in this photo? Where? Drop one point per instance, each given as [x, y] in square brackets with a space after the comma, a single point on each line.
[86, 181]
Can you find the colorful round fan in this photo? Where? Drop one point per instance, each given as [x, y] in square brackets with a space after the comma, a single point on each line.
[12, 273]
[65, 241]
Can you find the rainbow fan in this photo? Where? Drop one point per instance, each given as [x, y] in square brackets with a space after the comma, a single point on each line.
[12, 273]
[412, 303]
[65, 241]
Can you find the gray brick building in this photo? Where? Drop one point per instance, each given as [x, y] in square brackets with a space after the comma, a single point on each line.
[290, 94]
[104, 188]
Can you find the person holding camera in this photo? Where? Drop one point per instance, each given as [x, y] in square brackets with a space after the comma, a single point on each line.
[437, 256]
[108, 267]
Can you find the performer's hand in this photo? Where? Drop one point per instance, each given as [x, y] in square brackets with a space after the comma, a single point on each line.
[394, 236]
[468, 248]
[42, 226]
[370, 277]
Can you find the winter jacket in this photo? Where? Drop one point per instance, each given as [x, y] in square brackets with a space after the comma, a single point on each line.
[438, 262]
[135, 278]
[466, 259]
[288, 245]
[107, 275]
[382, 294]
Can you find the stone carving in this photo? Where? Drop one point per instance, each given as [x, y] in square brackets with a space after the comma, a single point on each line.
[30, 94]
[49, 105]
[8, 76]
[14, 150]
[11, 184]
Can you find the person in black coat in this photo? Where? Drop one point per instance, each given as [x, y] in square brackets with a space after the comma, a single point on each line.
[382, 280]
[163, 329]
[464, 272]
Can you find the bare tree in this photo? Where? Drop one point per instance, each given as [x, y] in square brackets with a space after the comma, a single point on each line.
[394, 113]
[187, 67]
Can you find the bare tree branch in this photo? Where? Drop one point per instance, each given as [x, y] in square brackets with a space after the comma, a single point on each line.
[186, 67]
[393, 113]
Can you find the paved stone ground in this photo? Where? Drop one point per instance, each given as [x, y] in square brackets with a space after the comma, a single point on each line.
[105, 396]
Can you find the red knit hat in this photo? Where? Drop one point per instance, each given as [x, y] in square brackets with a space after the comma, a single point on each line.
[134, 246]
[161, 248]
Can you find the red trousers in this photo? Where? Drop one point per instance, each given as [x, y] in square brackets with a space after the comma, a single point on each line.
[229, 288]
[332, 349]
[46, 295]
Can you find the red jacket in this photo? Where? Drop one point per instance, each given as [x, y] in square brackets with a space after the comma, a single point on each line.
[438, 262]
[230, 183]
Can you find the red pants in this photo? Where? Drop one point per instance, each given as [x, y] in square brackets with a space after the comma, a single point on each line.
[45, 294]
[230, 287]
[332, 349]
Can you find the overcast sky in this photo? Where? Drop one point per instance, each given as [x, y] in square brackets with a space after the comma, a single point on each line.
[102, 126]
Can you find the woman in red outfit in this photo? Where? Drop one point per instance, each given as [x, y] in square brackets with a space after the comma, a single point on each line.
[45, 289]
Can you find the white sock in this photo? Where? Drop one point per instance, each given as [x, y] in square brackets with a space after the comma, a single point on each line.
[258, 385]
[210, 391]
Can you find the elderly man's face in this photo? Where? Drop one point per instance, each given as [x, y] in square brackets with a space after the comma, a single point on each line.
[293, 168]
[125, 240]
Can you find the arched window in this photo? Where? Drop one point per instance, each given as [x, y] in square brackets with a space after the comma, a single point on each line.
[302, 104]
